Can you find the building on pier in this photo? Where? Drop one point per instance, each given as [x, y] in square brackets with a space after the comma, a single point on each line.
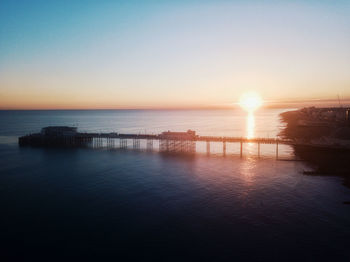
[189, 135]
[59, 131]
[56, 136]
[178, 142]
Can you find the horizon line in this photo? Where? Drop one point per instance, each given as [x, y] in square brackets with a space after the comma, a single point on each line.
[293, 103]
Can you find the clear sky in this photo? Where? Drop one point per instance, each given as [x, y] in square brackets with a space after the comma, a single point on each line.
[141, 54]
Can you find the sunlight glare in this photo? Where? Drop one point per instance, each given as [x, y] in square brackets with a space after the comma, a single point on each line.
[250, 101]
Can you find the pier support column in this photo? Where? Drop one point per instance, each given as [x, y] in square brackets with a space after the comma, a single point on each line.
[174, 146]
[258, 149]
[111, 142]
[136, 143]
[208, 147]
[241, 151]
[192, 147]
[161, 145]
[182, 145]
[277, 150]
[224, 148]
[123, 143]
[149, 144]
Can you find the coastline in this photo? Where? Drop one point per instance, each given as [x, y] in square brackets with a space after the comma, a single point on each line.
[325, 139]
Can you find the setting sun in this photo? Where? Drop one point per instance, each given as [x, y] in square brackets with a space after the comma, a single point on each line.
[250, 101]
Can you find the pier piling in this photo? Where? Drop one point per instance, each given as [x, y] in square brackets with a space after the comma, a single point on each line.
[149, 144]
[241, 151]
[136, 143]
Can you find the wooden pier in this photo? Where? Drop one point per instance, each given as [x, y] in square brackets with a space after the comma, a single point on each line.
[169, 142]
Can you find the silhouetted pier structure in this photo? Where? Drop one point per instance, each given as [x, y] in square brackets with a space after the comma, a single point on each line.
[169, 142]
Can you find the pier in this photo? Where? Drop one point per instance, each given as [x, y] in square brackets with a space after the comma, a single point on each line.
[169, 142]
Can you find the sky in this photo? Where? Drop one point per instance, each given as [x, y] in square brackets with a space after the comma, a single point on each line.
[171, 54]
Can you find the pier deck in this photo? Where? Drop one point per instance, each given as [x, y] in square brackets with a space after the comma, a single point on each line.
[177, 142]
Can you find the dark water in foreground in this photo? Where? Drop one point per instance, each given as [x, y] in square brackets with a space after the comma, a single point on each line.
[92, 204]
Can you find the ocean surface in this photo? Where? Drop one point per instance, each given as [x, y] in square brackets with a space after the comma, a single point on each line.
[82, 204]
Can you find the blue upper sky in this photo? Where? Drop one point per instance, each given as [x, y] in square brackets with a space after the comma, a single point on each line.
[171, 53]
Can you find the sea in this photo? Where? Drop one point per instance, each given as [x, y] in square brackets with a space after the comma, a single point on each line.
[104, 204]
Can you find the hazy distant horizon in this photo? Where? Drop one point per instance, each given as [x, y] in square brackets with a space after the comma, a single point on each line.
[266, 105]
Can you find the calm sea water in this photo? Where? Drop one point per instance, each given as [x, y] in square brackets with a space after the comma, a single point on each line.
[92, 204]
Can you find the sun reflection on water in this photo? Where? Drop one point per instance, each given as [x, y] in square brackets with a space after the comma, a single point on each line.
[250, 133]
[248, 171]
[250, 125]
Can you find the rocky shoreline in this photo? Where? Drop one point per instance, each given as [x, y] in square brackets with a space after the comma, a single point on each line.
[325, 132]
